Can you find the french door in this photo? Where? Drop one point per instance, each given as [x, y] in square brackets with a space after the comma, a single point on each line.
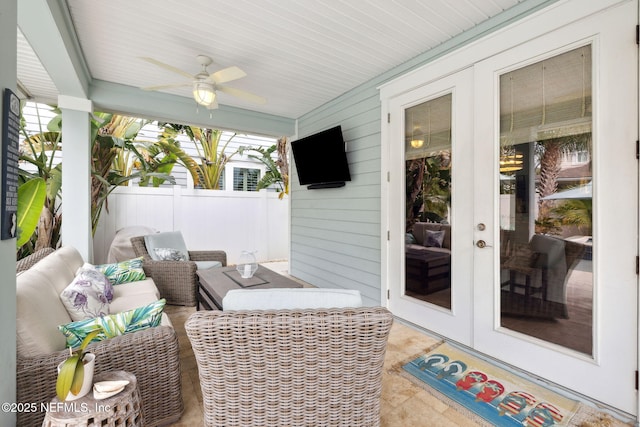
[512, 201]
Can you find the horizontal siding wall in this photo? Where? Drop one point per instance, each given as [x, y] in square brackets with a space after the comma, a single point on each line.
[336, 234]
[208, 219]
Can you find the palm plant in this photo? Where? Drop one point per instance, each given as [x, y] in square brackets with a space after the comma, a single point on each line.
[550, 154]
[277, 172]
[578, 212]
[213, 157]
[111, 135]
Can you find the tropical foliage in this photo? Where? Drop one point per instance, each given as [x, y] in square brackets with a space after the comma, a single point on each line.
[113, 139]
[31, 198]
[212, 154]
[37, 159]
[550, 153]
[428, 188]
[119, 156]
[277, 172]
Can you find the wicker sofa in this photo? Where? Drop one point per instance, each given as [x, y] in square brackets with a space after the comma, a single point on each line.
[152, 354]
[176, 280]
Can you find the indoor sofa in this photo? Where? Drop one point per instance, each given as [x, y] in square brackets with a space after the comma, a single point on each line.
[428, 257]
[151, 354]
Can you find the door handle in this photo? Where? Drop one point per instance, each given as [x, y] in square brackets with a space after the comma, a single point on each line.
[481, 244]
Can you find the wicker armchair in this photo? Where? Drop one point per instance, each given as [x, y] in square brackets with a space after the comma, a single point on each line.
[291, 367]
[176, 280]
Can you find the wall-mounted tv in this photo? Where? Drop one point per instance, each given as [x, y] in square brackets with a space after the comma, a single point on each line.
[321, 159]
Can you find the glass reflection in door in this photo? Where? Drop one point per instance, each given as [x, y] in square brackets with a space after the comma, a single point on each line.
[546, 230]
[428, 201]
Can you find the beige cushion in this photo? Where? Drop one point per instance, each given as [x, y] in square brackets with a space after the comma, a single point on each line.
[290, 298]
[39, 311]
[131, 301]
[146, 286]
[61, 266]
[165, 321]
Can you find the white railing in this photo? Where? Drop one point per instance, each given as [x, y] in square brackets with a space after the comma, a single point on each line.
[232, 221]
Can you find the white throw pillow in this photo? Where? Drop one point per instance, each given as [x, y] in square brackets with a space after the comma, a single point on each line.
[88, 295]
[170, 254]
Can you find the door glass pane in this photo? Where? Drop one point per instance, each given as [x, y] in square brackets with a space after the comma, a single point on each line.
[428, 201]
[546, 277]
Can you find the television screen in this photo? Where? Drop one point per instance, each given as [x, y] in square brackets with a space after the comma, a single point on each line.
[321, 160]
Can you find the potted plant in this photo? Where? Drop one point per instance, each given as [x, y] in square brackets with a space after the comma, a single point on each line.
[75, 374]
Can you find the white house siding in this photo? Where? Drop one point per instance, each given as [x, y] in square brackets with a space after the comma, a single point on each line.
[336, 234]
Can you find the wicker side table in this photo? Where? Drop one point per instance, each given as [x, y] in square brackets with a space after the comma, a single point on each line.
[122, 409]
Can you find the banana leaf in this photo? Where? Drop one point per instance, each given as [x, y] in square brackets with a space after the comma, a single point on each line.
[31, 197]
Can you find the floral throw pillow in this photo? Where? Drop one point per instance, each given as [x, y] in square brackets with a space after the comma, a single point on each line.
[123, 272]
[88, 295]
[170, 254]
[114, 324]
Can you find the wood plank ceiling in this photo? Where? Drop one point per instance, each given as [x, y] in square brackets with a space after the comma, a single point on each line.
[299, 54]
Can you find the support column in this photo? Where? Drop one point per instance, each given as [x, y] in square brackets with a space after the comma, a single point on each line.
[76, 174]
[8, 78]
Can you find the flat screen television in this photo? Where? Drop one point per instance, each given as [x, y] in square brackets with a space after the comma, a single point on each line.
[321, 159]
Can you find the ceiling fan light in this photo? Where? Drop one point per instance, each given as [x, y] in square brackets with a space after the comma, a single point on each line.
[203, 93]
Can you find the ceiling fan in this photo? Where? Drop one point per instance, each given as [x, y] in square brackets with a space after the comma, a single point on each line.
[205, 84]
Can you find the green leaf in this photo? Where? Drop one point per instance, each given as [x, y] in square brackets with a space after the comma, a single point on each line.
[78, 378]
[65, 376]
[90, 336]
[31, 197]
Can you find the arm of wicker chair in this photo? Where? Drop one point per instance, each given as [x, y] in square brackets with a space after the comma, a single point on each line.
[176, 280]
[28, 261]
[152, 355]
[209, 256]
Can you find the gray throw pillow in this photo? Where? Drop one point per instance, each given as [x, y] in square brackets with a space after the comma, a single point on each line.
[433, 238]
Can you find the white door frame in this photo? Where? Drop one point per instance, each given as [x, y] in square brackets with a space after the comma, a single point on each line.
[555, 18]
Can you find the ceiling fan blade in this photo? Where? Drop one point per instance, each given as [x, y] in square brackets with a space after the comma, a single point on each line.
[167, 66]
[227, 75]
[242, 94]
[167, 86]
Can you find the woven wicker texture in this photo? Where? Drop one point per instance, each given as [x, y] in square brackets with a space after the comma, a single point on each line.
[176, 280]
[320, 367]
[120, 410]
[152, 355]
[28, 261]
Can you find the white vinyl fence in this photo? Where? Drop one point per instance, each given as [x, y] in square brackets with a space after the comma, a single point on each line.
[232, 221]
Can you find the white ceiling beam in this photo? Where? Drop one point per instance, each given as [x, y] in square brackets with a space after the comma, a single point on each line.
[45, 25]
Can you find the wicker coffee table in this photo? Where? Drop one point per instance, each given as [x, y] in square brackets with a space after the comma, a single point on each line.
[214, 283]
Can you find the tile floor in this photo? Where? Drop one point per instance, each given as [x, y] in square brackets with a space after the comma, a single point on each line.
[403, 403]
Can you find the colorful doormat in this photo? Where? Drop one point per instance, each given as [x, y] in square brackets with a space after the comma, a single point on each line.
[494, 394]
